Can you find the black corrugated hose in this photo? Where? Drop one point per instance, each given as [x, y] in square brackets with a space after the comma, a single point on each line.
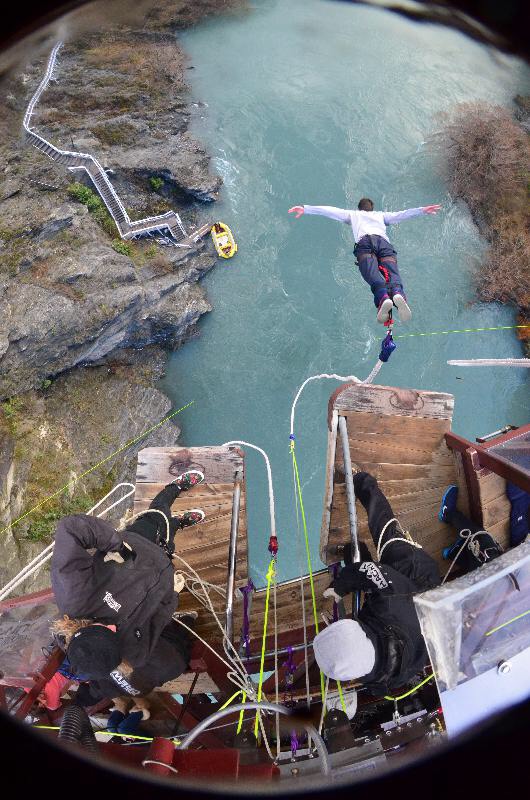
[76, 728]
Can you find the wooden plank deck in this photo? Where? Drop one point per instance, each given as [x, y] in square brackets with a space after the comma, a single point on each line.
[398, 436]
[203, 546]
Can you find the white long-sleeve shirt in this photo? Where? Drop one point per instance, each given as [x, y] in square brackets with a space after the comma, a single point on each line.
[365, 223]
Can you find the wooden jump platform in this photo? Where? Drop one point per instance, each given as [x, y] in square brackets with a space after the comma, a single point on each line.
[397, 435]
[204, 546]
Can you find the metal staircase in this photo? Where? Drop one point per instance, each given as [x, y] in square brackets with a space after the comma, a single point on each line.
[168, 225]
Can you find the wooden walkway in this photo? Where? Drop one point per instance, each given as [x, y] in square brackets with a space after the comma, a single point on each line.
[398, 436]
[203, 546]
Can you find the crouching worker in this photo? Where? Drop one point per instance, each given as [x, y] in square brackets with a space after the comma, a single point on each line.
[168, 660]
[116, 590]
[384, 648]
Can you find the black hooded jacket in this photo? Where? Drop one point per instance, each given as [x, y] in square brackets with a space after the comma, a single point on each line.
[167, 661]
[389, 619]
[136, 596]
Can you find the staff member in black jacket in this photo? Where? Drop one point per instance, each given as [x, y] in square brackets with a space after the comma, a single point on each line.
[384, 648]
[117, 600]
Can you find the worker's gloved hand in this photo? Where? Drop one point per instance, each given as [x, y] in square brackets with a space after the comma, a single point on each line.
[364, 552]
[366, 575]
[125, 553]
[333, 594]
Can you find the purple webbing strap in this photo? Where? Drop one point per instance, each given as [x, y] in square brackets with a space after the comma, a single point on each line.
[245, 591]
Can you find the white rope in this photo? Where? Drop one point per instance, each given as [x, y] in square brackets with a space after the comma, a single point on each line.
[492, 362]
[323, 705]
[468, 539]
[269, 479]
[273, 533]
[405, 538]
[352, 378]
[317, 378]
[240, 678]
[47, 553]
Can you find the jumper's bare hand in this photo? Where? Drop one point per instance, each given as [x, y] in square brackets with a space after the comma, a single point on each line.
[432, 209]
[297, 210]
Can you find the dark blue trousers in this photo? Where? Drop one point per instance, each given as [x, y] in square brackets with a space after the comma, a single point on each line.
[370, 252]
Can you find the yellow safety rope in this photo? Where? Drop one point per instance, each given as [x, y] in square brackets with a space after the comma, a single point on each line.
[270, 573]
[72, 483]
[464, 330]
[411, 691]
[308, 553]
[243, 699]
[110, 733]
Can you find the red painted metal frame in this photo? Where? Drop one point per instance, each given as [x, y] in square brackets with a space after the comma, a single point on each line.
[24, 703]
[34, 599]
[189, 720]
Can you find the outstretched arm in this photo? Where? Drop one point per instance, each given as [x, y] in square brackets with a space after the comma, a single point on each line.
[391, 217]
[340, 214]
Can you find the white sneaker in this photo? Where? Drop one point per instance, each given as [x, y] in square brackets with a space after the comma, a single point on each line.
[383, 312]
[404, 312]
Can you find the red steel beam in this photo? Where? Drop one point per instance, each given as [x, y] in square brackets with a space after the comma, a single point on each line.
[208, 738]
[33, 599]
[40, 680]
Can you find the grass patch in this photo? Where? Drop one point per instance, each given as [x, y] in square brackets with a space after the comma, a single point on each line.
[12, 408]
[115, 134]
[44, 522]
[124, 248]
[83, 194]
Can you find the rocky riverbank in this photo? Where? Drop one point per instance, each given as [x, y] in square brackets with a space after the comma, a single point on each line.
[83, 314]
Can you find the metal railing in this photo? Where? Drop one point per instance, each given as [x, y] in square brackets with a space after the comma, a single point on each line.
[168, 222]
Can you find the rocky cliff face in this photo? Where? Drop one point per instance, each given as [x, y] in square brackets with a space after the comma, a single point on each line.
[72, 293]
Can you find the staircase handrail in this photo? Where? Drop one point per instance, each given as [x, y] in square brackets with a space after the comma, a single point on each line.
[80, 160]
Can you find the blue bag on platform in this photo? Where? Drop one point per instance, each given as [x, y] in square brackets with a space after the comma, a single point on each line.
[519, 515]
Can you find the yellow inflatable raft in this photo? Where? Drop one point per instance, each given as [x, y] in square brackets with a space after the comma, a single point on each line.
[223, 240]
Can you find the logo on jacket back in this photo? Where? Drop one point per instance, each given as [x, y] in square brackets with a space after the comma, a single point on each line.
[118, 678]
[111, 602]
[373, 573]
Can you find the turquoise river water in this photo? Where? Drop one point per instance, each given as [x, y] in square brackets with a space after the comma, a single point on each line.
[316, 102]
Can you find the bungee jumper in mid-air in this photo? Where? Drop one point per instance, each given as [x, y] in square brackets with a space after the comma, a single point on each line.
[375, 255]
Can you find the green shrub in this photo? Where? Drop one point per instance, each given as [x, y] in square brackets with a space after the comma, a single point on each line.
[152, 251]
[44, 522]
[83, 194]
[122, 247]
[156, 183]
[12, 408]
